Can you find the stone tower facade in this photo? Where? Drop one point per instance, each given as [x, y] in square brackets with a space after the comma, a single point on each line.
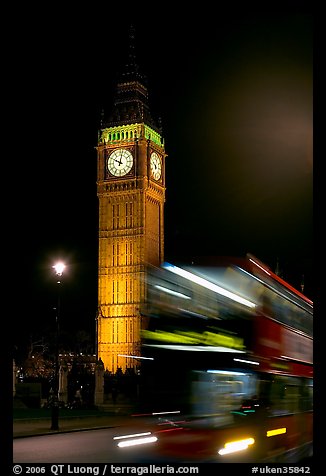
[131, 195]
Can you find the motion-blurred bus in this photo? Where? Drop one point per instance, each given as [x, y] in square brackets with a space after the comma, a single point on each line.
[229, 346]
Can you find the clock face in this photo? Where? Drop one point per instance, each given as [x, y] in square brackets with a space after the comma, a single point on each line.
[120, 162]
[156, 166]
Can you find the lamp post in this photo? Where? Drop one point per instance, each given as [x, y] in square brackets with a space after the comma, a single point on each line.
[59, 269]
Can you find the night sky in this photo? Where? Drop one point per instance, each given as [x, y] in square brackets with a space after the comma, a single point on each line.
[234, 93]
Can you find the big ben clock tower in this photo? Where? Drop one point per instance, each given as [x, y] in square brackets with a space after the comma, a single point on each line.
[131, 194]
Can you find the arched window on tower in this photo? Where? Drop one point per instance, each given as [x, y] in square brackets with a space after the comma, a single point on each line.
[116, 216]
[129, 214]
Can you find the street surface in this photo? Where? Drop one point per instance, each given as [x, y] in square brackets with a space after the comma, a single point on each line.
[174, 444]
[158, 441]
[93, 446]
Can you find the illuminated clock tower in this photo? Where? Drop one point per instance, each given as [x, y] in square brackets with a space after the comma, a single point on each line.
[131, 195]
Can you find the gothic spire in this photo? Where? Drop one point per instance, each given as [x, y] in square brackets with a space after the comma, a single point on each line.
[131, 103]
[131, 69]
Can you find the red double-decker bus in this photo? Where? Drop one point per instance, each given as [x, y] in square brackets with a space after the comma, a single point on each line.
[229, 345]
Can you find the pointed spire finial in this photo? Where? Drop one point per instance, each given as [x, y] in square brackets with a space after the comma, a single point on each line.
[131, 102]
[131, 68]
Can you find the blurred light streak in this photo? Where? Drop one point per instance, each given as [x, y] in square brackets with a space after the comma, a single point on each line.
[170, 291]
[138, 441]
[284, 283]
[136, 357]
[277, 431]
[259, 266]
[197, 348]
[246, 361]
[170, 429]
[234, 446]
[132, 435]
[277, 291]
[207, 284]
[171, 422]
[225, 372]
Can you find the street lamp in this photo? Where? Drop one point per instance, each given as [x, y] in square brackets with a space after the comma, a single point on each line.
[59, 269]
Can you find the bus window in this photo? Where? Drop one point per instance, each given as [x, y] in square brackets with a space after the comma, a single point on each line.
[285, 395]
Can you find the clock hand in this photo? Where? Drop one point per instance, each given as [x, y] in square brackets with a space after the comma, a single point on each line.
[121, 157]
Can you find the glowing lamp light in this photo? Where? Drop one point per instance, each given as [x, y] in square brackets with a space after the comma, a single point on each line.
[234, 446]
[59, 268]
